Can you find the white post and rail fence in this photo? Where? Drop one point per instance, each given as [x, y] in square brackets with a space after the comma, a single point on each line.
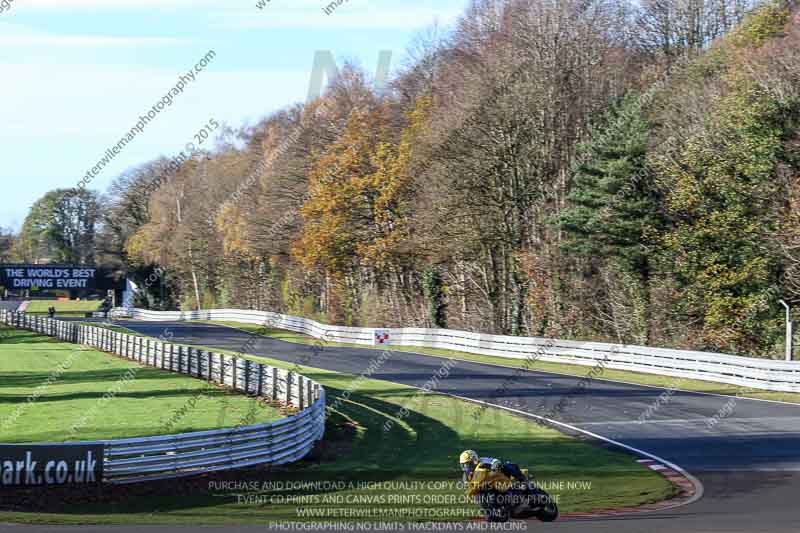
[766, 374]
[168, 456]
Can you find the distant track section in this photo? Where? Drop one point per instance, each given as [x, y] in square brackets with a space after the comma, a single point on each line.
[783, 376]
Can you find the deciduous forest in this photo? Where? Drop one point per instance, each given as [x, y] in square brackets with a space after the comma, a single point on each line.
[605, 170]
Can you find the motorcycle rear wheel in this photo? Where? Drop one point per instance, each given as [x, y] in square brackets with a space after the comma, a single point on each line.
[548, 513]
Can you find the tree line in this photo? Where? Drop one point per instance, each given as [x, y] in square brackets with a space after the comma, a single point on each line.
[594, 169]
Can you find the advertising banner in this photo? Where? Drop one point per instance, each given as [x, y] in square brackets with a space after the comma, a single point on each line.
[50, 464]
[53, 277]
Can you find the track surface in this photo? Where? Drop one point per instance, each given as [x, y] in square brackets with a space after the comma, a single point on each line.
[749, 462]
[9, 305]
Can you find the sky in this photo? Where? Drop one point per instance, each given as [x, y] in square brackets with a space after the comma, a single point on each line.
[76, 75]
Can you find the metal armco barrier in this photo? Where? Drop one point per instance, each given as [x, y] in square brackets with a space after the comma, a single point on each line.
[764, 374]
[163, 457]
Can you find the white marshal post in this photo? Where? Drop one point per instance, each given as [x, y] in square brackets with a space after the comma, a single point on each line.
[788, 330]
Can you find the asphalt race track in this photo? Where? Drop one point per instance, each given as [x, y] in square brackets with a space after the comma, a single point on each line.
[9, 305]
[748, 463]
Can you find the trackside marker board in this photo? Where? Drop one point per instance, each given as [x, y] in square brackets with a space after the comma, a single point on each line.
[32, 465]
[382, 337]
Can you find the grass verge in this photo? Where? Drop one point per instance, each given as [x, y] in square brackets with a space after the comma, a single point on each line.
[47, 388]
[544, 366]
[73, 307]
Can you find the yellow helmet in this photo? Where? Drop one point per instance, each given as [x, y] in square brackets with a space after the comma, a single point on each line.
[468, 457]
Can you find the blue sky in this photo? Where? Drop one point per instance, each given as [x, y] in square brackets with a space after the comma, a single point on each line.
[77, 74]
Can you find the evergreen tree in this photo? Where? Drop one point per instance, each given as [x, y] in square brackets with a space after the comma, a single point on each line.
[433, 285]
[614, 206]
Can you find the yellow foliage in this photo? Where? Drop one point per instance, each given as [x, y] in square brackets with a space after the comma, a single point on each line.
[358, 192]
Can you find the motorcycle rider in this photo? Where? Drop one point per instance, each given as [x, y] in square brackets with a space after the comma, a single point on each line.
[470, 461]
[487, 479]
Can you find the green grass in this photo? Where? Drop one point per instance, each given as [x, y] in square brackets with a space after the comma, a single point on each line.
[557, 368]
[64, 307]
[421, 447]
[67, 384]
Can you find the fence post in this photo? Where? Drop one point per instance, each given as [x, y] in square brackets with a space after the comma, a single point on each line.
[187, 363]
[247, 376]
[194, 356]
[210, 367]
[234, 362]
[260, 391]
[300, 392]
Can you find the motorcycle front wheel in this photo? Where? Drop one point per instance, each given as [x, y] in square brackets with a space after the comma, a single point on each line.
[548, 513]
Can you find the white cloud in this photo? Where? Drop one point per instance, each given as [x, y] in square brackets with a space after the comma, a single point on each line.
[352, 14]
[355, 15]
[109, 4]
[33, 39]
[19, 35]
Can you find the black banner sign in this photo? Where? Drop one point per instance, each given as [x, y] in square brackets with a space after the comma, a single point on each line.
[50, 464]
[54, 277]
